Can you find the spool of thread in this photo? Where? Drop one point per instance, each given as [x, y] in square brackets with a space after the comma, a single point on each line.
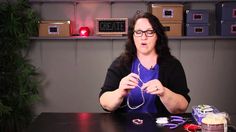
[214, 122]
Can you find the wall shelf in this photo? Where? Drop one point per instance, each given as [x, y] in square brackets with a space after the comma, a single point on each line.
[80, 38]
[125, 37]
[214, 36]
[187, 1]
[127, 1]
[203, 38]
[84, 1]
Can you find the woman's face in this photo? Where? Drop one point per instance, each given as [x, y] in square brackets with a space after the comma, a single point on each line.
[144, 37]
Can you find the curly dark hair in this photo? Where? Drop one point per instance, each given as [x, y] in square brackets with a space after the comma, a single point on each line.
[161, 47]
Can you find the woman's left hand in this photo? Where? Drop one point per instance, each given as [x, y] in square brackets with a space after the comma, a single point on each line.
[154, 87]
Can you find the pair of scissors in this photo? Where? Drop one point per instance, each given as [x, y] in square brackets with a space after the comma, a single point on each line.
[175, 121]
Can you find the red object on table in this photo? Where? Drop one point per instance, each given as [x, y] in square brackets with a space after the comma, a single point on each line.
[192, 127]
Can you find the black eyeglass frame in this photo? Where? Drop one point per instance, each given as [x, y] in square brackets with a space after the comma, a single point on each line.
[148, 33]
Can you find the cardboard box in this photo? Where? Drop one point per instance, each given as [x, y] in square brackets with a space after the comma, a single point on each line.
[172, 28]
[54, 28]
[226, 11]
[197, 16]
[168, 12]
[197, 29]
[226, 28]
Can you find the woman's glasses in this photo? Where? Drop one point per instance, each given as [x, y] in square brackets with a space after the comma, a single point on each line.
[143, 99]
[148, 33]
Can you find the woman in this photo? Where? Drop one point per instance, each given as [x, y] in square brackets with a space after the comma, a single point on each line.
[146, 78]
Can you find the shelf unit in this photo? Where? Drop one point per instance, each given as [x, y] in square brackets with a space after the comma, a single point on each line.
[125, 37]
[202, 1]
[81, 38]
[147, 2]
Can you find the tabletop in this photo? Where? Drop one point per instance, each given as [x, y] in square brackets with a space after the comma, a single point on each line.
[100, 122]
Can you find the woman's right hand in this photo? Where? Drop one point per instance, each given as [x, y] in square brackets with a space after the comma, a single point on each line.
[128, 83]
[112, 100]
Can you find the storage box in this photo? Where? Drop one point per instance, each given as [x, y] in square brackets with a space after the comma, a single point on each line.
[197, 16]
[200, 111]
[172, 28]
[226, 28]
[226, 11]
[197, 29]
[168, 12]
[54, 28]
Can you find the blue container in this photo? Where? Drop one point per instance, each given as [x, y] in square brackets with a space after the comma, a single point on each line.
[226, 11]
[197, 29]
[226, 28]
[197, 16]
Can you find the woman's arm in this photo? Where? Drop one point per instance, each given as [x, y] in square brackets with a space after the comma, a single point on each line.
[111, 100]
[174, 103]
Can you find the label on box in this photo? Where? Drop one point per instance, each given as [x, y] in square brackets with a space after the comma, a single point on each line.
[167, 13]
[53, 29]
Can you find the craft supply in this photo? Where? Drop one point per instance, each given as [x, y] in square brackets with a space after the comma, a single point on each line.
[192, 127]
[172, 122]
[200, 111]
[142, 94]
[137, 121]
[161, 120]
[215, 122]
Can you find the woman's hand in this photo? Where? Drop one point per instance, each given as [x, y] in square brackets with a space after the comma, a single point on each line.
[112, 100]
[174, 103]
[154, 87]
[127, 83]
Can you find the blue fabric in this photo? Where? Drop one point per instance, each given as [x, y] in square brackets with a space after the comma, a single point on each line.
[135, 95]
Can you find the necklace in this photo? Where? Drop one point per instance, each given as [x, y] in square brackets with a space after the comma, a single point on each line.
[142, 94]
